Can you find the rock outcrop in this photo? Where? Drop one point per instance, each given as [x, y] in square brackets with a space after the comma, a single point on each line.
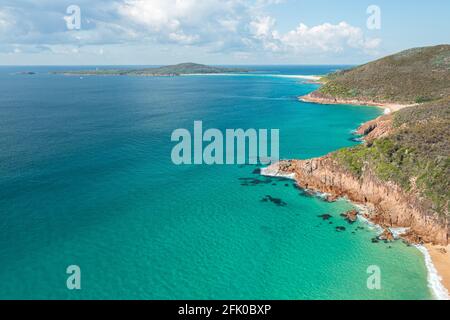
[377, 128]
[387, 235]
[351, 216]
[390, 206]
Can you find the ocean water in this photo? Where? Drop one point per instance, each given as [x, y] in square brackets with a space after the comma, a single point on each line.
[86, 179]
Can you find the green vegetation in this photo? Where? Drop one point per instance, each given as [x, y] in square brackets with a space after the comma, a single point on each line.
[416, 155]
[175, 70]
[412, 76]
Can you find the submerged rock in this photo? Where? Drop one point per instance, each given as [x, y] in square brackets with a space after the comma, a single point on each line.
[325, 217]
[276, 201]
[251, 182]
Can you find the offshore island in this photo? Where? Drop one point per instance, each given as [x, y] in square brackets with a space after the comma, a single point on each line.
[400, 174]
[165, 71]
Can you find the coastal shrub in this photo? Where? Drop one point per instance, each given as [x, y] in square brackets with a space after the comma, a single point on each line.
[422, 99]
[416, 156]
[395, 78]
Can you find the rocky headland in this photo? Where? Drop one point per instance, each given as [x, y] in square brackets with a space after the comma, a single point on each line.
[401, 171]
[388, 205]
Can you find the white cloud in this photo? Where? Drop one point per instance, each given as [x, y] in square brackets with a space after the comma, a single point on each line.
[262, 27]
[235, 26]
[182, 20]
[229, 24]
[5, 22]
[182, 38]
[321, 38]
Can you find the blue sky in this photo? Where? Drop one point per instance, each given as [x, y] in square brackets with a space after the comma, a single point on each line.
[145, 32]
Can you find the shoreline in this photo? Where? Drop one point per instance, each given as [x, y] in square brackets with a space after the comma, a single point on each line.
[388, 107]
[436, 258]
[438, 268]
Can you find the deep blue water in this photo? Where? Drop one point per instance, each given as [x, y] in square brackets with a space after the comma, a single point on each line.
[86, 179]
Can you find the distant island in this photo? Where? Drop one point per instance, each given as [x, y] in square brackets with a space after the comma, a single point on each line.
[26, 73]
[166, 71]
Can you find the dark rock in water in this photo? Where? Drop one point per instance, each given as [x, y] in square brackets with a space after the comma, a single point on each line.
[297, 187]
[276, 201]
[280, 179]
[26, 73]
[351, 216]
[274, 184]
[286, 185]
[325, 217]
[375, 240]
[251, 182]
[331, 222]
[257, 171]
[303, 193]
[340, 229]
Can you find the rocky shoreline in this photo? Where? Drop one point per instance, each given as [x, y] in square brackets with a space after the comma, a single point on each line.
[400, 199]
[387, 204]
[317, 97]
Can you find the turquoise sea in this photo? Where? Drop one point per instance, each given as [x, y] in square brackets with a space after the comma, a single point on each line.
[86, 179]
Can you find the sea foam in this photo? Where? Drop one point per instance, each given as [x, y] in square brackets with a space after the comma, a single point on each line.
[433, 277]
[273, 171]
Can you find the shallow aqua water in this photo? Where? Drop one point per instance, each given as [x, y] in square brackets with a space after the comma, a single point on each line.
[86, 178]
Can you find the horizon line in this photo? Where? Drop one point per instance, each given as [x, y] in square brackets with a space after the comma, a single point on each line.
[158, 65]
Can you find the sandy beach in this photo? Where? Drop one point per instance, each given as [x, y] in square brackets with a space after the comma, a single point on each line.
[440, 256]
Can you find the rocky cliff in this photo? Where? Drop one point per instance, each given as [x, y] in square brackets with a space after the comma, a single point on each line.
[402, 170]
[389, 205]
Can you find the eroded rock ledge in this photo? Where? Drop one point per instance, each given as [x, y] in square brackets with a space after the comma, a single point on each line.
[320, 98]
[389, 205]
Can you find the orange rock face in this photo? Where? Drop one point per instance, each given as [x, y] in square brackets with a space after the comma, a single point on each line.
[377, 128]
[390, 205]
